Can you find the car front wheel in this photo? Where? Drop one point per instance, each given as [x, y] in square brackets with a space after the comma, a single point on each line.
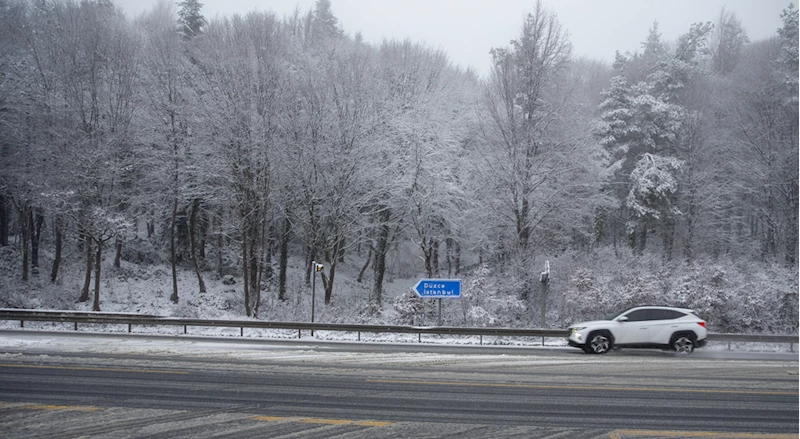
[599, 343]
[683, 344]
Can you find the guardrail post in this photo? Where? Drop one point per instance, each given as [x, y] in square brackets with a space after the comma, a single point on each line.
[791, 346]
[420, 337]
[129, 328]
[241, 331]
[481, 339]
[76, 326]
[22, 323]
[298, 333]
[184, 329]
[359, 335]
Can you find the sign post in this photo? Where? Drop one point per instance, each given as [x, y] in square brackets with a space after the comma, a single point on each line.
[544, 278]
[438, 289]
[315, 268]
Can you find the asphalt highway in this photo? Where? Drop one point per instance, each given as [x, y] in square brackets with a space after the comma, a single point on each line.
[127, 388]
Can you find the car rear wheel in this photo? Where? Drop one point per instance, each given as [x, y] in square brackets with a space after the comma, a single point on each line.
[683, 344]
[599, 343]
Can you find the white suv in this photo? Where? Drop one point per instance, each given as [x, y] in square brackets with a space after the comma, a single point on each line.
[643, 327]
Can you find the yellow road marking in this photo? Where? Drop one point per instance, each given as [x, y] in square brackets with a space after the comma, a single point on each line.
[321, 421]
[546, 386]
[374, 423]
[268, 418]
[104, 369]
[73, 408]
[622, 434]
[325, 421]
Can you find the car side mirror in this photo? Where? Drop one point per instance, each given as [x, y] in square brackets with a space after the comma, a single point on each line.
[623, 319]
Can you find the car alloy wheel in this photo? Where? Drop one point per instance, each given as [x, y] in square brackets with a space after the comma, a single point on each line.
[599, 343]
[683, 344]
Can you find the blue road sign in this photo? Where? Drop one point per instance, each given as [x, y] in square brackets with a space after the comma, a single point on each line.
[438, 288]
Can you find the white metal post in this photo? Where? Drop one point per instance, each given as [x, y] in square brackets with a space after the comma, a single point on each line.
[313, 290]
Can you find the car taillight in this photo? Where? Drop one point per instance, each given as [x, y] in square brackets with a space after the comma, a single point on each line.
[703, 324]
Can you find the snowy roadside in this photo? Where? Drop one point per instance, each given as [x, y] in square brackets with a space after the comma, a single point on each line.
[286, 334]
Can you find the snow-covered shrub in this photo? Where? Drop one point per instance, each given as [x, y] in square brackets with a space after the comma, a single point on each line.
[474, 295]
[477, 316]
[510, 310]
[368, 313]
[9, 261]
[409, 308]
[142, 251]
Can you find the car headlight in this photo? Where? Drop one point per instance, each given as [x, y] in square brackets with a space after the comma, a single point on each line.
[577, 332]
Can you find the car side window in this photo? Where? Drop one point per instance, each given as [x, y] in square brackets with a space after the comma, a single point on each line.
[639, 315]
[666, 314]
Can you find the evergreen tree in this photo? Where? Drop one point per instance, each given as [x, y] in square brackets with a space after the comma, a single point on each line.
[788, 58]
[652, 46]
[190, 20]
[325, 24]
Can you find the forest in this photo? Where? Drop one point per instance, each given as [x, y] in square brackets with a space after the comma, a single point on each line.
[242, 148]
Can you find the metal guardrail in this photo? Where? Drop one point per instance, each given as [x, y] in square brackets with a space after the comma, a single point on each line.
[89, 317]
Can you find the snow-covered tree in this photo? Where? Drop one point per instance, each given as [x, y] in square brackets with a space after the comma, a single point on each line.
[727, 42]
[241, 83]
[523, 153]
[190, 20]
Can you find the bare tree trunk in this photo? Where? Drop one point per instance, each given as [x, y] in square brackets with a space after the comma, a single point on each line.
[174, 296]
[88, 279]
[36, 223]
[245, 272]
[25, 227]
[118, 256]
[668, 237]
[334, 260]
[436, 257]
[3, 221]
[329, 283]
[643, 239]
[96, 305]
[340, 254]
[151, 226]
[193, 245]
[218, 233]
[284, 258]
[203, 227]
[260, 263]
[310, 256]
[219, 253]
[457, 262]
[381, 248]
[365, 266]
[57, 258]
[255, 287]
[427, 253]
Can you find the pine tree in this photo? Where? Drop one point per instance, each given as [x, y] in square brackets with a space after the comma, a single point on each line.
[190, 20]
[652, 46]
[325, 24]
[788, 58]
